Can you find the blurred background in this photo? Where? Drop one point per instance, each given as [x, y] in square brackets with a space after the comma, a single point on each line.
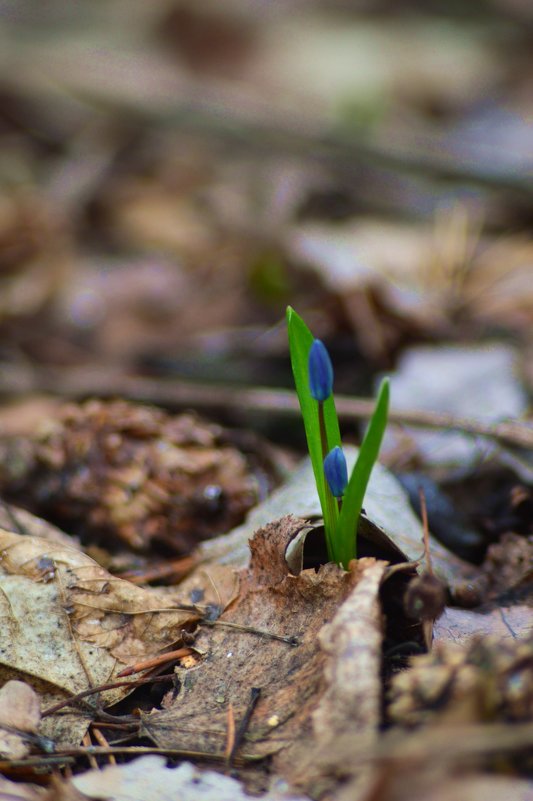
[173, 173]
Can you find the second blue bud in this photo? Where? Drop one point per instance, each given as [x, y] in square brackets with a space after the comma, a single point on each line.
[336, 471]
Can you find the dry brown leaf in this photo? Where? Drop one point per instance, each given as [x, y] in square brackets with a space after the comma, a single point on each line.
[69, 625]
[280, 605]
[19, 710]
[353, 643]
[290, 677]
[126, 620]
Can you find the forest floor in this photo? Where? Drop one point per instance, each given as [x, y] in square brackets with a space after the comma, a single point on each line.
[173, 175]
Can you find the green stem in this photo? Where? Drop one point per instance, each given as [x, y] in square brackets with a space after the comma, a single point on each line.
[331, 512]
[322, 427]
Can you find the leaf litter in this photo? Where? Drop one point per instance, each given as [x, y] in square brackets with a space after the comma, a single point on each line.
[286, 660]
[192, 237]
[288, 638]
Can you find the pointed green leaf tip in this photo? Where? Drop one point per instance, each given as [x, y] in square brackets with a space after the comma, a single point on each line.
[320, 372]
[336, 472]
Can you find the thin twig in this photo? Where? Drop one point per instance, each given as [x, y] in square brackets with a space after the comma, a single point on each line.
[268, 635]
[138, 750]
[87, 744]
[178, 394]
[425, 528]
[157, 661]
[101, 740]
[255, 692]
[230, 737]
[103, 688]
[35, 762]
[251, 124]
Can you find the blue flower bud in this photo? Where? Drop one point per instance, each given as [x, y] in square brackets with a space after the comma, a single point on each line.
[336, 471]
[320, 372]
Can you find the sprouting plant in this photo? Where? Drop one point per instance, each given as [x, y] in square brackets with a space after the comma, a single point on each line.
[341, 498]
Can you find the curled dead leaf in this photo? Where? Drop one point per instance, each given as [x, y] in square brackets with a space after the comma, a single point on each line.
[271, 659]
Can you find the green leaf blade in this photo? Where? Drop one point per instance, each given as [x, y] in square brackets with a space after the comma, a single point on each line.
[358, 482]
[300, 341]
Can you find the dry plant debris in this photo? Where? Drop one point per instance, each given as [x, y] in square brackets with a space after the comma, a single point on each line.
[509, 563]
[132, 473]
[487, 680]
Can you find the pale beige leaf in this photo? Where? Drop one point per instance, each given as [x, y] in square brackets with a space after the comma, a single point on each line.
[19, 710]
[68, 625]
[16, 791]
[149, 779]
